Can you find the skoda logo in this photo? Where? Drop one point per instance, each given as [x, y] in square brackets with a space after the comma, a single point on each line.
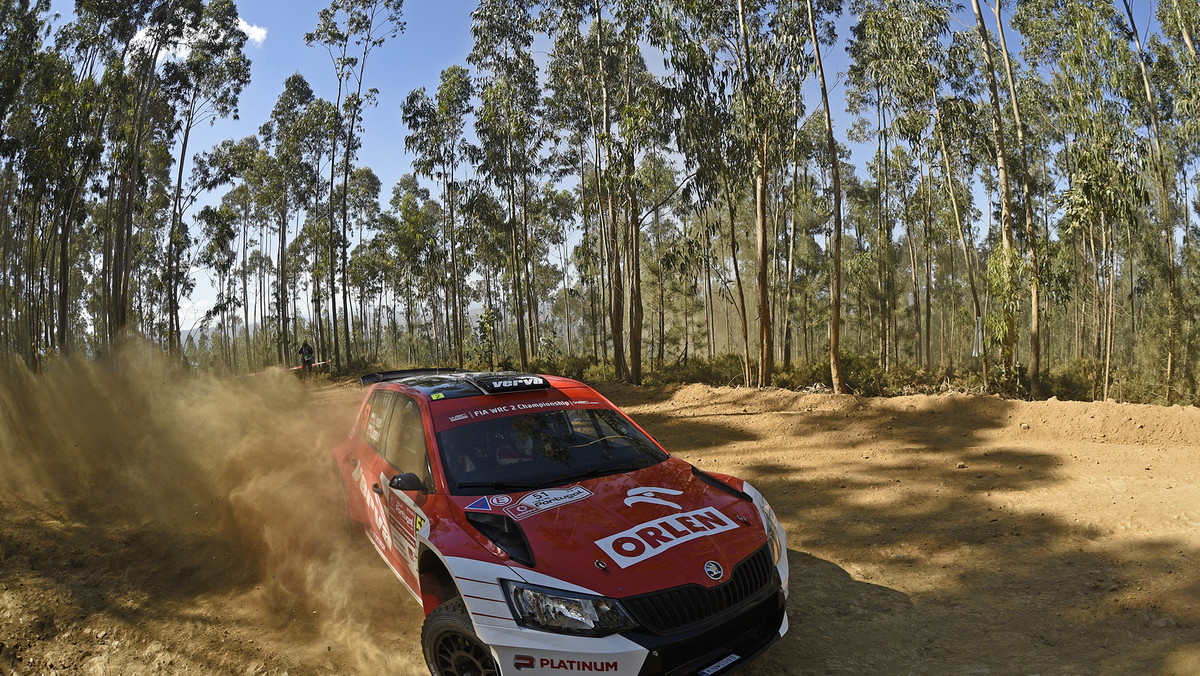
[713, 570]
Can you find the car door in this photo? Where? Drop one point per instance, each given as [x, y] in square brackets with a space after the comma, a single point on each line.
[368, 459]
[405, 451]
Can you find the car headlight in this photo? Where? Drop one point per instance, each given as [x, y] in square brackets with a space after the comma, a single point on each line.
[564, 612]
[773, 530]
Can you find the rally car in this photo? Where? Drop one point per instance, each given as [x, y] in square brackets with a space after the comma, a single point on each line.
[544, 532]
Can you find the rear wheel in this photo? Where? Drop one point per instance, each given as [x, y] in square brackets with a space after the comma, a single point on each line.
[451, 646]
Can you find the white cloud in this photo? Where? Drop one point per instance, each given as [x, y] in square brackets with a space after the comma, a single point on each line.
[179, 50]
[257, 34]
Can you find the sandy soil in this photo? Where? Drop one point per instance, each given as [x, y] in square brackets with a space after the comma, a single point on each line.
[157, 523]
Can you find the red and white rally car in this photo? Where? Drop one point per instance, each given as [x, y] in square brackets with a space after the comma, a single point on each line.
[546, 533]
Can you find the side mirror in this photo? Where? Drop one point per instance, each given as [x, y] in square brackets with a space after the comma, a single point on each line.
[407, 482]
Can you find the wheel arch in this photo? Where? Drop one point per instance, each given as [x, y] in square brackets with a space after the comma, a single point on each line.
[436, 582]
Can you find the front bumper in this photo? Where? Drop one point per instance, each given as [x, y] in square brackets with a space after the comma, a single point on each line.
[711, 651]
[721, 649]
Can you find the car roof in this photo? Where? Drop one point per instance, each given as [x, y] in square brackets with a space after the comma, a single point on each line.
[439, 384]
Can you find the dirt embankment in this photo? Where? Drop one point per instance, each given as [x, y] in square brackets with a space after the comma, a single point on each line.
[152, 522]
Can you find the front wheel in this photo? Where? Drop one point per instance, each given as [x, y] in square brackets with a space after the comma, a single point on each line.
[451, 646]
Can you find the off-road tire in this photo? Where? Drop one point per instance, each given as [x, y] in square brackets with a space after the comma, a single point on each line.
[450, 645]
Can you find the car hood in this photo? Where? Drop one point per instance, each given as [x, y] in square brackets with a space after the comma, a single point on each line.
[628, 534]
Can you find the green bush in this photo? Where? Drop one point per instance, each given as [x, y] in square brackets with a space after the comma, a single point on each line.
[599, 373]
[1076, 380]
[907, 379]
[720, 371]
[800, 376]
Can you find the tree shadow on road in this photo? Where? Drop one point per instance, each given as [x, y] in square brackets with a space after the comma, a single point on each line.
[908, 556]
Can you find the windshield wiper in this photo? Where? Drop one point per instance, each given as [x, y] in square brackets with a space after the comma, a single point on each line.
[569, 477]
[504, 486]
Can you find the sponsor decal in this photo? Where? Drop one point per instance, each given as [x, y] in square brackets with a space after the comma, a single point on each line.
[713, 570]
[500, 500]
[649, 494]
[509, 409]
[542, 404]
[528, 662]
[515, 382]
[374, 426]
[481, 504]
[652, 538]
[402, 517]
[709, 671]
[378, 516]
[540, 501]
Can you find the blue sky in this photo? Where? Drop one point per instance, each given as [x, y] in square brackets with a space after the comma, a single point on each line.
[437, 35]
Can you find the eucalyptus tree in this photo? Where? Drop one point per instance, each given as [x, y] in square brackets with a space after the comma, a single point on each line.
[573, 100]
[895, 49]
[22, 24]
[1035, 354]
[362, 209]
[641, 131]
[510, 133]
[741, 63]
[48, 146]
[1007, 301]
[828, 11]
[217, 253]
[436, 137]
[875, 50]
[602, 91]
[204, 86]
[411, 219]
[1180, 18]
[285, 133]
[720, 162]
[1091, 73]
[350, 30]
[166, 25]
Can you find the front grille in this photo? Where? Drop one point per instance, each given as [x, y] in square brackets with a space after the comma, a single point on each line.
[673, 610]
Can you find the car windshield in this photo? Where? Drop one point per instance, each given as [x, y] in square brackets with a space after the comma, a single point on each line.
[542, 450]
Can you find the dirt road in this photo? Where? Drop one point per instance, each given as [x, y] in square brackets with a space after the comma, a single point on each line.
[157, 523]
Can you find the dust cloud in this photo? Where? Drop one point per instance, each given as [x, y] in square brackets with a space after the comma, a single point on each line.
[141, 495]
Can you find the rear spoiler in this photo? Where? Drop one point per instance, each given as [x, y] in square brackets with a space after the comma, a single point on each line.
[384, 376]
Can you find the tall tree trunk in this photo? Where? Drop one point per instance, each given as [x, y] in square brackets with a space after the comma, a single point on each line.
[285, 353]
[912, 256]
[616, 289]
[1035, 280]
[790, 270]
[1183, 29]
[926, 192]
[766, 331]
[1008, 340]
[743, 318]
[1165, 215]
[636, 309]
[962, 236]
[835, 282]
[455, 283]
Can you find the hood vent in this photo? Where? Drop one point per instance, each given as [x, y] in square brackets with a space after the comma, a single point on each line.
[717, 483]
[505, 533]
